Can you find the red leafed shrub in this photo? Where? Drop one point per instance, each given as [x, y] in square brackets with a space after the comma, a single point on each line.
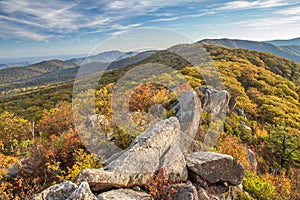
[160, 185]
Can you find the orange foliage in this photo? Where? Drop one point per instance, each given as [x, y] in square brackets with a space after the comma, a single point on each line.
[57, 120]
[232, 145]
[144, 96]
[282, 184]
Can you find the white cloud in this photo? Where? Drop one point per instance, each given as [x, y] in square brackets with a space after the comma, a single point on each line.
[164, 19]
[290, 11]
[7, 31]
[270, 22]
[116, 5]
[62, 17]
[252, 4]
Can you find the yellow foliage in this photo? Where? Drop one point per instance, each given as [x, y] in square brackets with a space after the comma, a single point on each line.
[282, 184]
[83, 160]
[231, 145]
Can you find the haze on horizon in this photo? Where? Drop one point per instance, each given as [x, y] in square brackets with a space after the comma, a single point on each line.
[59, 27]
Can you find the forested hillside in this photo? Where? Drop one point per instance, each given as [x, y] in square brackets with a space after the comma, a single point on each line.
[266, 120]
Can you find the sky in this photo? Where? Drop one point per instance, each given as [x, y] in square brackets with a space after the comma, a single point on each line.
[62, 27]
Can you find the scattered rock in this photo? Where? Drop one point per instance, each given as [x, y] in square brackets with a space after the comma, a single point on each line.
[189, 113]
[56, 192]
[247, 126]
[240, 112]
[83, 192]
[215, 167]
[232, 104]
[252, 159]
[124, 194]
[214, 101]
[183, 191]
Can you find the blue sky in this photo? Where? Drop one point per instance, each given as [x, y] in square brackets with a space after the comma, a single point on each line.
[52, 27]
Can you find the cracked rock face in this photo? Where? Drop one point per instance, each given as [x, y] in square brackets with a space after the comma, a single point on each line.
[215, 167]
[149, 152]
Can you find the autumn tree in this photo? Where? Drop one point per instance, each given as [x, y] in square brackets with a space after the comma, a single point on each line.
[57, 120]
[14, 131]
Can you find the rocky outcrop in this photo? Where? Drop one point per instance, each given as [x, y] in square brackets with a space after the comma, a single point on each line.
[124, 194]
[150, 151]
[189, 112]
[199, 175]
[215, 167]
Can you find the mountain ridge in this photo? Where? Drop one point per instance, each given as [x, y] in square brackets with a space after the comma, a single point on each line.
[291, 52]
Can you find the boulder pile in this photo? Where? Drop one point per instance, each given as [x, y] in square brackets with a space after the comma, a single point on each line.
[168, 146]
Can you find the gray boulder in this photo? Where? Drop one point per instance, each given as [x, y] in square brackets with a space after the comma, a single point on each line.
[124, 194]
[189, 113]
[82, 192]
[215, 167]
[214, 101]
[149, 152]
[252, 159]
[56, 192]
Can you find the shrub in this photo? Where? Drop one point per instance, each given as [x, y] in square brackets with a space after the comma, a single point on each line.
[160, 185]
[258, 187]
[83, 160]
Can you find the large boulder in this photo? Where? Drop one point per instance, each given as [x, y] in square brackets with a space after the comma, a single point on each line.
[149, 152]
[82, 192]
[215, 167]
[56, 192]
[124, 194]
[189, 113]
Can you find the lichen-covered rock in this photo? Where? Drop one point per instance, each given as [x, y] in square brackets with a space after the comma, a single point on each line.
[149, 152]
[215, 167]
[59, 191]
[124, 194]
[82, 192]
[189, 113]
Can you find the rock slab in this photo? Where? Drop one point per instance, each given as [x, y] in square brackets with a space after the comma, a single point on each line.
[215, 167]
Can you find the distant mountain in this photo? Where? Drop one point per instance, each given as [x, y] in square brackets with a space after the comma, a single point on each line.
[107, 57]
[295, 41]
[25, 61]
[289, 52]
[36, 74]
[56, 71]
